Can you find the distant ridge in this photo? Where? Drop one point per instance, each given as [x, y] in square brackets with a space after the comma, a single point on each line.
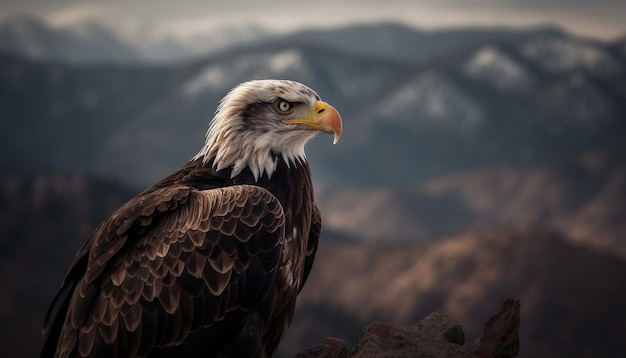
[401, 42]
[90, 42]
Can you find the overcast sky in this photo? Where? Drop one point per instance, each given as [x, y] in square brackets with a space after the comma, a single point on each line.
[604, 19]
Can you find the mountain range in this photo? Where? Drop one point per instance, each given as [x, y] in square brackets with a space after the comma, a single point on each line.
[90, 42]
[529, 99]
[475, 164]
[541, 96]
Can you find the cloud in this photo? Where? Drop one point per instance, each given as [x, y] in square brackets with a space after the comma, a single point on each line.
[74, 14]
[598, 18]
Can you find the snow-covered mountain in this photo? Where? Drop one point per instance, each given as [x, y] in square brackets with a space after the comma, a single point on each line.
[561, 54]
[578, 97]
[494, 66]
[222, 75]
[411, 120]
[431, 99]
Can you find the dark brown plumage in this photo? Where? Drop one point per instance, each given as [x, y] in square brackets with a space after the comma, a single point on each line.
[202, 264]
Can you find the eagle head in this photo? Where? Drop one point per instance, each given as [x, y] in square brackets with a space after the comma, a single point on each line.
[260, 122]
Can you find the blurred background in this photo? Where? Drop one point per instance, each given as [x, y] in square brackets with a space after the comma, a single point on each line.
[483, 153]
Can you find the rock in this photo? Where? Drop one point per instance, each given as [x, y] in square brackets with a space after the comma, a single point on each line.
[440, 325]
[436, 336]
[500, 337]
[384, 340]
[327, 348]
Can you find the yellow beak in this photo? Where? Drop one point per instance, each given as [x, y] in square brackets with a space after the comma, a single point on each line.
[323, 117]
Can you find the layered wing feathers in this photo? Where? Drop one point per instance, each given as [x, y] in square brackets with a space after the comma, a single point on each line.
[169, 263]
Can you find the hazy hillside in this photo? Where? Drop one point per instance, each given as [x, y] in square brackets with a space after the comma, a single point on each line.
[44, 220]
[571, 297]
[584, 197]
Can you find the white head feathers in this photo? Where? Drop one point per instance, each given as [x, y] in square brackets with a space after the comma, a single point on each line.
[247, 131]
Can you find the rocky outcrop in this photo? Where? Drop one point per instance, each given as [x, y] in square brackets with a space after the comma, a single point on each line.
[437, 335]
[500, 338]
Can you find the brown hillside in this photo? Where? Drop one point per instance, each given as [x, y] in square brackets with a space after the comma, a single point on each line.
[571, 297]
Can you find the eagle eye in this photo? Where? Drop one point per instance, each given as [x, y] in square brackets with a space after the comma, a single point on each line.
[283, 107]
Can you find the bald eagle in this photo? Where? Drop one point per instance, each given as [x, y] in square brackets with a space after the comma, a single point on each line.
[208, 261]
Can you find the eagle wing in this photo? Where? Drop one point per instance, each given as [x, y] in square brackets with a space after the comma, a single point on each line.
[167, 265]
